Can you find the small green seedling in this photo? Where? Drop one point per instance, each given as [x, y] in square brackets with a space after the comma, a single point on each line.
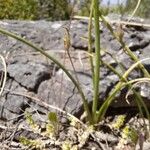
[53, 124]
[33, 125]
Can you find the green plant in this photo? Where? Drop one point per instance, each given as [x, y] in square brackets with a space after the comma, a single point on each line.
[129, 137]
[33, 125]
[54, 9]
[97, 114]
[97, 59]
[51, 129]
[129, 133]
[52, 125]
[18, 9]
[143, 10]
[138, 99]
[119, 122]
[49, 132]
[35, 9]
[84, 8]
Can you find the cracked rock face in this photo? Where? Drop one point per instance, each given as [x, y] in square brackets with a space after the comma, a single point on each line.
[29, 74]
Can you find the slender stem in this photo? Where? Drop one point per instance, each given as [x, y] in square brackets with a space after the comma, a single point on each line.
[97, 58]
[85, 102]
[90, 41]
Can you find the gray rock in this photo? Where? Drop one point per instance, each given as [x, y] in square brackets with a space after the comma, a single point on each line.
[29, 72]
